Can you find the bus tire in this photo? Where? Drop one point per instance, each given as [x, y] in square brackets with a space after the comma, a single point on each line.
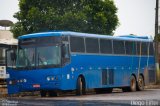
[133, 84]
[43, 93]
[54, 93]
[140, 83]
[80, 86]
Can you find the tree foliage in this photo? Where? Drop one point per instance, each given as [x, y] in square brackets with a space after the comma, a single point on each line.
[90, 16]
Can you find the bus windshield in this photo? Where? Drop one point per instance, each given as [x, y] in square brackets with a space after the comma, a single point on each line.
[48, 56]
[38, 55]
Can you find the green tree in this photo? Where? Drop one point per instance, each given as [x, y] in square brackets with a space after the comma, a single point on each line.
[90, 16]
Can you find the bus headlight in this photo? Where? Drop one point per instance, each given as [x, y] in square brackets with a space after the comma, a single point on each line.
[21, 81]
[24, 80]
[10, 82]
[48, 79]
[52, 78]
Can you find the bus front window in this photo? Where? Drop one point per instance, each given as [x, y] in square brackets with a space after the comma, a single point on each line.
[48, 56]
[41, 52]
[26, 58]
[39, 57]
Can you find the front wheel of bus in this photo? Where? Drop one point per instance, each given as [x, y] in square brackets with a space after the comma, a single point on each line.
[43, 93]
[80, 86]
[54, 93]
[140, 83]
[133, 84]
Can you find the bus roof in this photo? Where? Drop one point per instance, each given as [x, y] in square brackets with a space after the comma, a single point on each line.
[69, 33]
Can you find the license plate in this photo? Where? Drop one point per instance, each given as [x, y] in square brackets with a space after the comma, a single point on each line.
[36, 86]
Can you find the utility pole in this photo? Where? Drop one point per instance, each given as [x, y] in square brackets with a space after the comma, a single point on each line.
[156, 43]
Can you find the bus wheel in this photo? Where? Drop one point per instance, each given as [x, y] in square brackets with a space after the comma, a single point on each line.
[80, 86]
[140, 83]
[133, 84]
[43, 93]
[54, 93]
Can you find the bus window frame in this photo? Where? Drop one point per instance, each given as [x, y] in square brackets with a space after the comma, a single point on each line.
[124, 51]
[111, 41]
[86, 45]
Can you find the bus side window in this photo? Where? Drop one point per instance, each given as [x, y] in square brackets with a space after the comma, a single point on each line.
[151, 49]
[130, 47]
[138, 48]
[118, 47]
[144, 48]
[106, 46]
[77, 44]
[92, 45]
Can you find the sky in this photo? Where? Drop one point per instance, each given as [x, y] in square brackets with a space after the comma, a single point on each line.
[135, 16]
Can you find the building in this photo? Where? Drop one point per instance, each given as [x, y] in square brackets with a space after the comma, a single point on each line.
[6, 36]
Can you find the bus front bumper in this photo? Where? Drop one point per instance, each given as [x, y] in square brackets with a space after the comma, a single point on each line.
[27, 87]
[37, 86]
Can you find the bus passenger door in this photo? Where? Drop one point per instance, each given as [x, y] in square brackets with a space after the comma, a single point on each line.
[11, 58]
[12, 74]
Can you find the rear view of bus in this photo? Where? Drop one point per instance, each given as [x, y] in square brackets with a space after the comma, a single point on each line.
[52, 62]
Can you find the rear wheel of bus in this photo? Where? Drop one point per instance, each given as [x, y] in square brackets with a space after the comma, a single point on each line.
[81, 89]
[140, 83]
[132, 87]
[132, 84]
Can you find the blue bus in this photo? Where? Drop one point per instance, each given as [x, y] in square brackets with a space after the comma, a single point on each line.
[52, 62]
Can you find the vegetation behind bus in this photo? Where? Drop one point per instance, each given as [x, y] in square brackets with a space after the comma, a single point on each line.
[90, 16]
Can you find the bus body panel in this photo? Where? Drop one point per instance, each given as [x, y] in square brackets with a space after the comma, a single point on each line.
[99, 70]
[88, 66]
